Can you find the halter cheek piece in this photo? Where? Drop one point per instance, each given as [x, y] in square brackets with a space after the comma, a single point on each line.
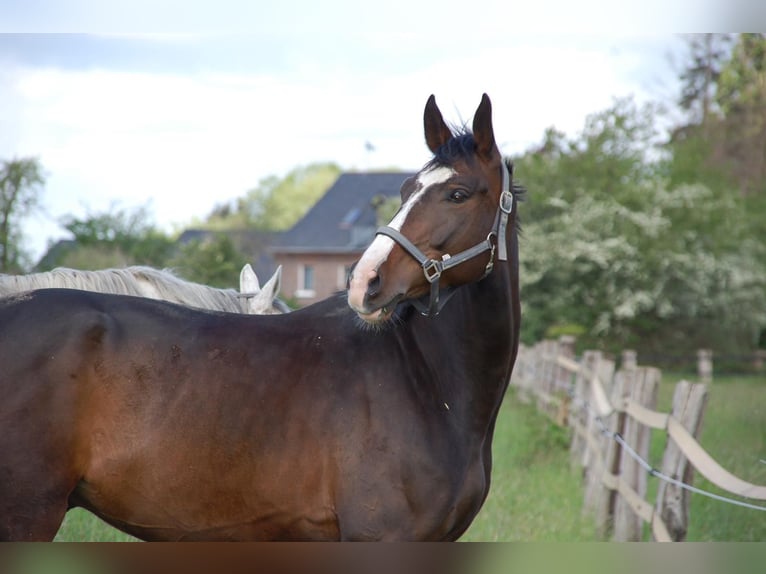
[433, 268]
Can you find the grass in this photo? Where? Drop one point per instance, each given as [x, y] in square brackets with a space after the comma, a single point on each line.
[80, 525]
[734, 433]
[537, 497]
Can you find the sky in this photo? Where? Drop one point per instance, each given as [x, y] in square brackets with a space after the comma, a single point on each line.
[181, 106]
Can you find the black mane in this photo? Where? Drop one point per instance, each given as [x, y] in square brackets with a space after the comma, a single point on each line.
[461, 146]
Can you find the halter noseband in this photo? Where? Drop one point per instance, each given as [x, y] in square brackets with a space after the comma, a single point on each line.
[433, 268]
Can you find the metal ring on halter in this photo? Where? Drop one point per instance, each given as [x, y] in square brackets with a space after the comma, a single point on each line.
[491, 263]
[432, 269]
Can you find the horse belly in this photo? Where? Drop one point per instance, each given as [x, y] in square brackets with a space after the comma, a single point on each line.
[180, 481]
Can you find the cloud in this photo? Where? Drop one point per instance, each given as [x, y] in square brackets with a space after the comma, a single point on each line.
[185, 140]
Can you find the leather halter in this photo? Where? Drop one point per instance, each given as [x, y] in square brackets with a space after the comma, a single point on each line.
[433, 268]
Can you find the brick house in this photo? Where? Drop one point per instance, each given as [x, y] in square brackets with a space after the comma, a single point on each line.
[317, 253]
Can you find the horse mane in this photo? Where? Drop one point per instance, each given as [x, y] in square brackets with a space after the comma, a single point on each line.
[460, 145]
[139, 281]
[170, 287]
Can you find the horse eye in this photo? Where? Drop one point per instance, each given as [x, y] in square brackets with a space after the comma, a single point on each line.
[458, 195]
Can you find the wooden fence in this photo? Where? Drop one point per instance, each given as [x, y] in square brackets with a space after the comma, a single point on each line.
[612, 413]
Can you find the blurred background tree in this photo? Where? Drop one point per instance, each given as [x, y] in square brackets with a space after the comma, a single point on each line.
[632, 241]
[276, 204]
[214, 261]
[115, 238]
[21, 182]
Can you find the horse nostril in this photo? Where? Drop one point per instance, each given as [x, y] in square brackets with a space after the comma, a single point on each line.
[373, 287]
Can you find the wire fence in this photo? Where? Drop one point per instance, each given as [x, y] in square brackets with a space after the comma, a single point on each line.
[612, 414]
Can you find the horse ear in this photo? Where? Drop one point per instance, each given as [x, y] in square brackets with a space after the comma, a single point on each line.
[274, 284]
[437, 132]
[248, 280]
[483, 133]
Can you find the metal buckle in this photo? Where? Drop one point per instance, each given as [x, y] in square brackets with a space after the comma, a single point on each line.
[432, 269]
[506, 202]
[491, 263]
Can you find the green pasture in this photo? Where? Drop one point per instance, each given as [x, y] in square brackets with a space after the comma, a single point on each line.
[537, 496]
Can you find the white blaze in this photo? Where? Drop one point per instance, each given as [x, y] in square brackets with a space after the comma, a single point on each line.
[382, 245]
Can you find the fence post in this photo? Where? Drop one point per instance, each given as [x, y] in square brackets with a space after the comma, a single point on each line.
[758, 360]
[705, 365]
[564, 377]
[547, 381]
[642, 386]
[629, 359]
[600, 458]
[526, 372]
[578, 418]
[689, 402]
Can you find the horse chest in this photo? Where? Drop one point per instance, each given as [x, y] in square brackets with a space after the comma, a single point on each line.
[424, 487]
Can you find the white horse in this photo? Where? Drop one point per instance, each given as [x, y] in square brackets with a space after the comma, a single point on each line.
[142, 281]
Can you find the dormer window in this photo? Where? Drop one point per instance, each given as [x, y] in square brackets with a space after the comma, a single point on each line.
[350, 218]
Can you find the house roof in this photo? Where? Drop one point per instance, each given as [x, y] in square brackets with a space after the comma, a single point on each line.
[344, 219]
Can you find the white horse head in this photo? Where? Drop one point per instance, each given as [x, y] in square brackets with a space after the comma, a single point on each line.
[259, 300]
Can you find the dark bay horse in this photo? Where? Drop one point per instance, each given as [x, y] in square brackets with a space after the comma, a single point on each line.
[357, 418]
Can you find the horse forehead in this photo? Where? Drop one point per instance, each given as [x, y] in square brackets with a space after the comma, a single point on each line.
[434, 176]
[423, 181]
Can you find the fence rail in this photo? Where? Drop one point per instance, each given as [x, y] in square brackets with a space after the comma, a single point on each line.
[612, 414]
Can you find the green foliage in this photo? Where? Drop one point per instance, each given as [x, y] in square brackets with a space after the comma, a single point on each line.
[115, 238]
[608, 245]
[562, 329]
[706, 53]
[20, 183]
[386, 208]
[216, 262]
[277, 204]
[89, 257]
[610, 156]
[741, 96]
[741, 82]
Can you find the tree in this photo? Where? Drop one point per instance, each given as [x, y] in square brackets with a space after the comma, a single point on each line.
[215, 261]
[611, 250]
[723, 141]
[741, 96]
[610, 154]
[670, 269]
[706, 53]
[115, 238]
[20, 182]
[276, 204]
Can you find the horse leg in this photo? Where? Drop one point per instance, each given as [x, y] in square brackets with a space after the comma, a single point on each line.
[28, 513]
[37, 475]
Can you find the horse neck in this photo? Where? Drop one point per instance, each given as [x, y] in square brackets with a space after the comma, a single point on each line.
[481, 326]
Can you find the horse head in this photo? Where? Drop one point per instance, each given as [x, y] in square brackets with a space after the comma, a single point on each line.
[452, 219]
[261, 300]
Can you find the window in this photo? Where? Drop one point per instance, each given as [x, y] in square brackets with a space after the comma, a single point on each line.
[350, 218]
[306, 288]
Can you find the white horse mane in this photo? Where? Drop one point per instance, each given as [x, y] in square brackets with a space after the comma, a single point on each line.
[142, 281]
